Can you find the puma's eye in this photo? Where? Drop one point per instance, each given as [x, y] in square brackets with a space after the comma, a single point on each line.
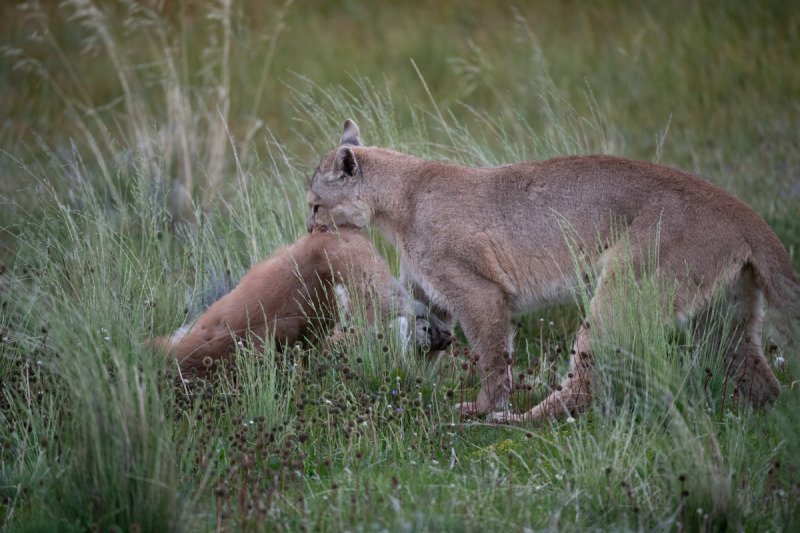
[316, 208]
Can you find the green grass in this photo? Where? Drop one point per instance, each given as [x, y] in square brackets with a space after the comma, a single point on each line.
[178, 147]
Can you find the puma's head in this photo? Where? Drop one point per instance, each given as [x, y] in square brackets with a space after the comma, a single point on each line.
[335, 196]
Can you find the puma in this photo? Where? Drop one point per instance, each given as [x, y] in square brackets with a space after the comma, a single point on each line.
[300, 291]
[484, 244]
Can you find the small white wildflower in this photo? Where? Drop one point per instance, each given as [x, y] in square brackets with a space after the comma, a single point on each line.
[570, 420]
[395, 503]
[780, 361]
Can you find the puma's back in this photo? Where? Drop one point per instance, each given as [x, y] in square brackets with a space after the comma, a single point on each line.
[520, 221]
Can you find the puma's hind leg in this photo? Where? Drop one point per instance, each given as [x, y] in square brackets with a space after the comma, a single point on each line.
[746, 366]
[574, 394]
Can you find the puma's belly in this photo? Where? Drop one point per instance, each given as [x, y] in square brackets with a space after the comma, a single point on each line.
[532, 296]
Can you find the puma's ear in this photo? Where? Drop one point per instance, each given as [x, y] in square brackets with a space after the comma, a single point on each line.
[351, 134]
[346, 160]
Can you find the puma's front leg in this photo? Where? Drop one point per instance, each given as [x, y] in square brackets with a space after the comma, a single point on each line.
[483, 312]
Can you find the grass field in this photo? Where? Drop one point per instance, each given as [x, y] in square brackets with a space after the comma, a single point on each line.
[148, 149]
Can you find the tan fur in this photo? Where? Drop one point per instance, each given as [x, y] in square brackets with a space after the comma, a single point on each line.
[295, 294]
[486, 243]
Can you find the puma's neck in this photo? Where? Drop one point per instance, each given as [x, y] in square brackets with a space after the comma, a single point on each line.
[390, 178]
